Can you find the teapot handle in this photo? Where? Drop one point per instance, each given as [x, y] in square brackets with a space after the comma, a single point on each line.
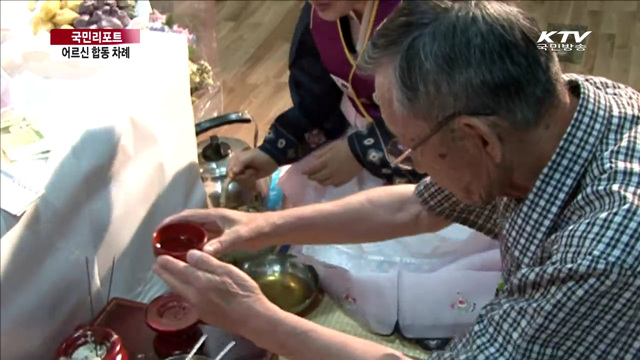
[227, 119]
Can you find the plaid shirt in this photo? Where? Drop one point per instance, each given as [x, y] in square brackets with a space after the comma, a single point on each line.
[571, 249]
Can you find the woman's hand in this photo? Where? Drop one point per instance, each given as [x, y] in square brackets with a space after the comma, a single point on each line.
[249, 166]
[335, 165]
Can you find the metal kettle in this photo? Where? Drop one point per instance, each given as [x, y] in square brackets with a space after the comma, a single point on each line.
[214, 155]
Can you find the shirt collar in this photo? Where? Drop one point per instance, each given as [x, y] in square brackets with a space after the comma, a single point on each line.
[578, 145]
[533, 221]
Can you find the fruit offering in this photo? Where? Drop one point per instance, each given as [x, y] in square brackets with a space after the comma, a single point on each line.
[102, 14]
[54, 14]
[82, 14]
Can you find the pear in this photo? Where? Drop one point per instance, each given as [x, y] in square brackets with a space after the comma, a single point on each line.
[64, 17]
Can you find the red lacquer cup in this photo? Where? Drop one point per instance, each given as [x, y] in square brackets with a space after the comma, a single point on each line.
[99, 335]
[175, 322]
[170, 314]
[177, 239]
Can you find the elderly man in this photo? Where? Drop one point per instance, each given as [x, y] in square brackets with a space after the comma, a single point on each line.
[548, 165]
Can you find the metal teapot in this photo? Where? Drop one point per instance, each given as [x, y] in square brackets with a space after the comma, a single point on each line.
[214, 154]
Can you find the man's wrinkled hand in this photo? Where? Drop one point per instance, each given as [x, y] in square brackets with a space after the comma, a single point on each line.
[224, 296]
[227, 229]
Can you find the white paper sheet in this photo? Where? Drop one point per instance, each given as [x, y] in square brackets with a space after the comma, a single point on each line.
[124, 158]
[16, 194]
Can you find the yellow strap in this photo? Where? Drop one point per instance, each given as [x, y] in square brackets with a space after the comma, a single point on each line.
[352, 94]
[372, 19]
[344, 45]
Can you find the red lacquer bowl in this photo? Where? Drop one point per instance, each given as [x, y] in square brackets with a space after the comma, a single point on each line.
[101, 336]
[177, 239]
[171, 314]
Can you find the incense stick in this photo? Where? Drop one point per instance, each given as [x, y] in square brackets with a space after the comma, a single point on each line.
[196, 347]
[95, 346]
[225, 350]
[89, 283]
[113, 266]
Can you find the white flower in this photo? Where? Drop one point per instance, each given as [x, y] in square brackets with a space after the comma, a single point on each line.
[374, 156]
[368, 141]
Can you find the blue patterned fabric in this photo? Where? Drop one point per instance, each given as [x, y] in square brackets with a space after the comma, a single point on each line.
[316, 117]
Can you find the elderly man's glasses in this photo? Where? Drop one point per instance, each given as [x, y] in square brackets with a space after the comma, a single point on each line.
[400, 157]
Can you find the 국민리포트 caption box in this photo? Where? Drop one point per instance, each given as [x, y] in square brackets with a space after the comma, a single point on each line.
[95, 44]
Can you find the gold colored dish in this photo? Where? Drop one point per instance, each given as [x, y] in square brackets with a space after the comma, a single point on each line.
[290, 285]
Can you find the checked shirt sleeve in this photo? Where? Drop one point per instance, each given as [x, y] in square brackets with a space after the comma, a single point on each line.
[443, 203]
[583, 302]
[577, 311]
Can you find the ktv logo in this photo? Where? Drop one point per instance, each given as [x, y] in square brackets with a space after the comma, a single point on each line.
[546, 36]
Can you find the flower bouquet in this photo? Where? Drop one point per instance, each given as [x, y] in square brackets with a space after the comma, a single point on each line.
[206, 93]
[201, 75]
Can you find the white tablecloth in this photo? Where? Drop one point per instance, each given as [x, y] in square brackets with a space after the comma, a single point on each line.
[124, 158]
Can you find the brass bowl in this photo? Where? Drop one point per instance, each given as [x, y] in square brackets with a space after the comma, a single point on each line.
[238, 257]
[290, 285]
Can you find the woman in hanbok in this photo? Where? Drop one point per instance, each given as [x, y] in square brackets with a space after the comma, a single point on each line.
[331, 144]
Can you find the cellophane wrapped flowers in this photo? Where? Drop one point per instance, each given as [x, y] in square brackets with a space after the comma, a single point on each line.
[201, 74]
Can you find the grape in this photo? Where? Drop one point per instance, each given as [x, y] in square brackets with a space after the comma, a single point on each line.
[110, 23]
[81, 21]
[123, 17]
[87, 8]
[95, 18]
